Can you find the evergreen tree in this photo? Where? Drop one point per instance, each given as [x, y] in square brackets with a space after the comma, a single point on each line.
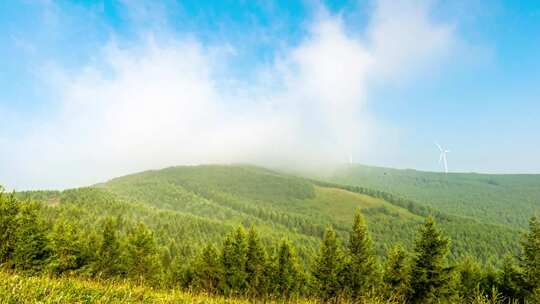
[429, 276]
[255, 263]
[470, 279]
[142, 255]
[270, 272]
[9, 208]
[511, 280]
[110, 260]
[183, 273]
[362, 272]
[165, 257]
[288, 277]
[489, 283]
[328, 266]
[396, 273]
[207, 270]
[30, 250]
[65, 248]
[233, 262]
[530, 256]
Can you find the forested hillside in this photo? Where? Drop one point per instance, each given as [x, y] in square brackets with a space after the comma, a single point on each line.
[81, 258]
[192, 227]
[498, 199]
[190, 205]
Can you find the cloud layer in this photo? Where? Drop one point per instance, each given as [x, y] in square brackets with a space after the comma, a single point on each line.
[171, 101]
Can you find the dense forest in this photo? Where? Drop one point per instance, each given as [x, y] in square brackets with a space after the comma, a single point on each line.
[242, 233]
[241, 265]
[504, 199]
[192, 205]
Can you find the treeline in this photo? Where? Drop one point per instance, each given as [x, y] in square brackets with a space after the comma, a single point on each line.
[243, 265]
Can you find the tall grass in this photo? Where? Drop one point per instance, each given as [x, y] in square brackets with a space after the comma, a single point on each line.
[16, 288]
[22, 289]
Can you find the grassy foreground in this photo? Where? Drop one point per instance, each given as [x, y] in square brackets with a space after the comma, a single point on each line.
[16, 288]
[23, 289]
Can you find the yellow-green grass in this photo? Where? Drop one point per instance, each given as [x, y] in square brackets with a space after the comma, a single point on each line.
[341, 204]
[24, 289]
[16, 288]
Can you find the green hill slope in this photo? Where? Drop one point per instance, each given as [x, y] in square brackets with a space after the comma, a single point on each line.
[188, 206]
[507, 200]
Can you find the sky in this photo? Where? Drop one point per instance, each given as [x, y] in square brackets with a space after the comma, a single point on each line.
[91, 90]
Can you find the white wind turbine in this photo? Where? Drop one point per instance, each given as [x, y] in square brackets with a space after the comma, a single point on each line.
[442, 158]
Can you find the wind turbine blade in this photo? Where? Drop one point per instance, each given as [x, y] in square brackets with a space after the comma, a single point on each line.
[439, 146]
[441, 158]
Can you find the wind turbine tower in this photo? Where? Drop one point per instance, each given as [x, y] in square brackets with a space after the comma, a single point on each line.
[442, 157]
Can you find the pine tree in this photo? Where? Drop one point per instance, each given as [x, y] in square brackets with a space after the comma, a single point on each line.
[65, 248]
[9, 208]
[110, 260]
[328, 266]
[470, 277]
[270, 272]
[255, 262]
[30, 250]
[512, 280]
[288, 277]
[207, 270]
[489, 283]
[233, 262]
[429, 276]
[362, 268]
[396, 273]
[183, 273]
[142, 255]
[530, 256]
[165, 257]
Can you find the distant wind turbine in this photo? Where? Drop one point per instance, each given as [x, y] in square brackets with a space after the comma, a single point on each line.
[442, 158]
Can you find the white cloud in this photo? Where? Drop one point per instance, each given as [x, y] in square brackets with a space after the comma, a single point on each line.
[404, 39]
[172, 102]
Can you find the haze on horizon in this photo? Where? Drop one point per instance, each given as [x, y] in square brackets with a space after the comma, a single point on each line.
[99, 89]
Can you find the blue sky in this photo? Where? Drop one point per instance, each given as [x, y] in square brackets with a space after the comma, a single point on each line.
[94, 89]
